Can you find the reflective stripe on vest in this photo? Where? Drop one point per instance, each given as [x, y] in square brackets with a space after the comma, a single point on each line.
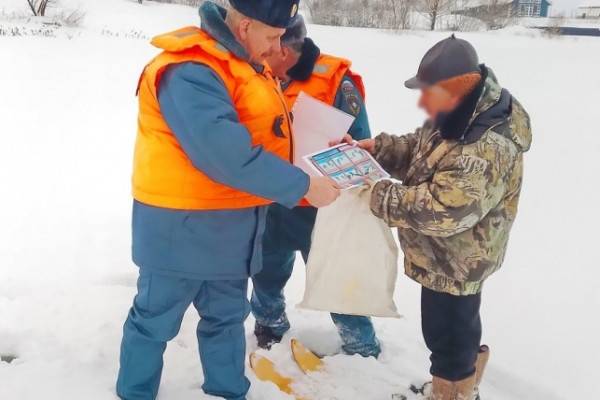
[328, 73]
[163, 175]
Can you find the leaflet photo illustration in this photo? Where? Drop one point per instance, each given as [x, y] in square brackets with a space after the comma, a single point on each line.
[348, 165]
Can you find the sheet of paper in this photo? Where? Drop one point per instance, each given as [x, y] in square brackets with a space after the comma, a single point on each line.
[315, 125]
[348, 165]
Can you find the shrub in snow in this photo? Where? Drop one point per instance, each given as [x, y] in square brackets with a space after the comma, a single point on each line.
[38, 7]
[59, 16]
[132, 34]
[14, 31]
[70, 18]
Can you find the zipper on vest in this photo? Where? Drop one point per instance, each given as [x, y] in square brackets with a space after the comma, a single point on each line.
[287, 119]
[268, 76]
[289, 124]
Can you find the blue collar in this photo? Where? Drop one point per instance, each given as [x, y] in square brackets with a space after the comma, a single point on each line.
[212, 21]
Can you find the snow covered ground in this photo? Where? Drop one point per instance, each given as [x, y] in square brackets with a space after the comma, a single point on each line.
[571, 22]
[67, 126]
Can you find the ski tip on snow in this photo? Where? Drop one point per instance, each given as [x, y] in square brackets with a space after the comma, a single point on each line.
[306, 359]
[264, 369]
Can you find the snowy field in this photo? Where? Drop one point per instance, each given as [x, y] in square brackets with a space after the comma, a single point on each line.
[67, 126]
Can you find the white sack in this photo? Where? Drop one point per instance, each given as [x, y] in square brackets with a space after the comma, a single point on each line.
[352, 265]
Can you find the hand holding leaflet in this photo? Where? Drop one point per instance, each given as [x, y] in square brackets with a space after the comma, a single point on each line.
[346, 164]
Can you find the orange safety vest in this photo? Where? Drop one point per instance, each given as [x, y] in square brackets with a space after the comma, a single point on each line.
[163, 175]
[323, 84]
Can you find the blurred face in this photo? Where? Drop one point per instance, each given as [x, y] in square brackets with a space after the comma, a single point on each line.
[435, 100]
[259, 40]
[281, 61]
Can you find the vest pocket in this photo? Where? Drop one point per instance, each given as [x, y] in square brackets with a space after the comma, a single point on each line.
[278, 126]
[267, 129]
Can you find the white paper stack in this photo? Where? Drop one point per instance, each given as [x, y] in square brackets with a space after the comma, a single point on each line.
[315, 125]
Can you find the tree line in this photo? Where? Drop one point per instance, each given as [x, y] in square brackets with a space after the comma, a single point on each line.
[384, 14]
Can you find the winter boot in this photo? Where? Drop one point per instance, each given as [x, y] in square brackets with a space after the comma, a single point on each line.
[423, 390]
[442, 389]
[266, 337]
[482, 360]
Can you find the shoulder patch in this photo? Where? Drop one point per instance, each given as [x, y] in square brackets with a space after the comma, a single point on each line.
[347, 87]
[352, 100]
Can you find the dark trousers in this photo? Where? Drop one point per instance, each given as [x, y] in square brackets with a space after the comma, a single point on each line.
[452, 331]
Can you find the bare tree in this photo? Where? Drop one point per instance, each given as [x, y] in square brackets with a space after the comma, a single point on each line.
[313, 7]
[329, 12]
[394, 14]
[434, 9]
[495, 14]
[38, 7]
[401, 11]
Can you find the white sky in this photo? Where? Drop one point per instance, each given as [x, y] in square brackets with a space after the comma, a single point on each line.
[565, 6]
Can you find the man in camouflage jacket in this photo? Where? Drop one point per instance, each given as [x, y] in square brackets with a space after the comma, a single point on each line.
[460, 178]
[458, 198]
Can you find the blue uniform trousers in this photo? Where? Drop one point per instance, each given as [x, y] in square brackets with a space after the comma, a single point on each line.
[155, 319]
[288, 231]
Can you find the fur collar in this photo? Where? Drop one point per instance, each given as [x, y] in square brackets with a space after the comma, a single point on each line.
[453, 125]
[303, 69]
[486, 106]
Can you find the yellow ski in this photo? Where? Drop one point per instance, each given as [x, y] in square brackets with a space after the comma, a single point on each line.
[264, 369]
[306, 359]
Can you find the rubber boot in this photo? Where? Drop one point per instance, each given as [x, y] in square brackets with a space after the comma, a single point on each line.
[482, 360]
[442, 389]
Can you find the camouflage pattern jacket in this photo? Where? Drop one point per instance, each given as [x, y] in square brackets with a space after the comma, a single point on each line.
[458, 198]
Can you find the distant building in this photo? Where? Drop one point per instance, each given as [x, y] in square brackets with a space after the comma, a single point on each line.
[531, 8]
[513, 8]
[590, 9]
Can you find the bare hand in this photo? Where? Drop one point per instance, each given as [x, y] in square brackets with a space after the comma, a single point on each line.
[322, 191]
[346, 139]
[366, 144]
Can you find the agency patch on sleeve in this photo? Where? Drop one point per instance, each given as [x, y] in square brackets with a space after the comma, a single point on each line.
[351, 98]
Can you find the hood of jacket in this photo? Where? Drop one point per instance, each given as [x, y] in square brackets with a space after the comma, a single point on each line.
[488, 106]
[497, 108]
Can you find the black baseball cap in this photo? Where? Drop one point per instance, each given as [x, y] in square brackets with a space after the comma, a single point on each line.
[447, 59]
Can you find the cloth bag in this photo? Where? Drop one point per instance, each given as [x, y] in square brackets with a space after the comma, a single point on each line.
[353, 261]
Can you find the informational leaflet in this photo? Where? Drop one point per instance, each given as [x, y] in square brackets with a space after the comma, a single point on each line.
[316, 124]
[347, 164]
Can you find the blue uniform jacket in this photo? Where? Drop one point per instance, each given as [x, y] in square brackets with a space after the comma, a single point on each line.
[222, 244]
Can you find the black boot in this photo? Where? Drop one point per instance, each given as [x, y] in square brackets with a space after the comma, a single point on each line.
[265, 336]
